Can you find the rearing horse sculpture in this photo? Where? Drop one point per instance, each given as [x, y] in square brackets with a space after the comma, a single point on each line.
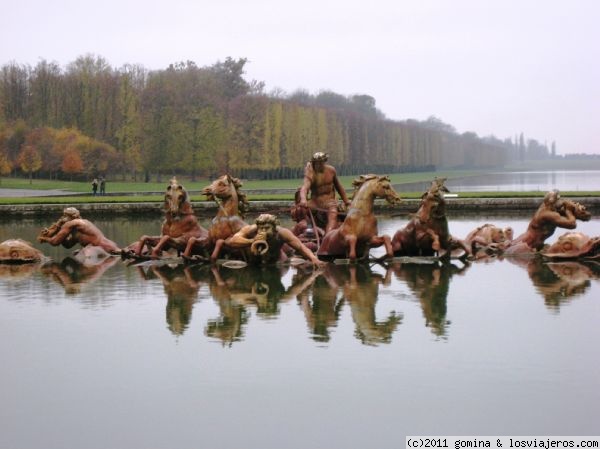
[426, 234]
[232, 202]
[358, 233]
[179, 226]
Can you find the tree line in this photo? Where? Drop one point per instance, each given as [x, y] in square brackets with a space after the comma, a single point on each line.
[90, 118]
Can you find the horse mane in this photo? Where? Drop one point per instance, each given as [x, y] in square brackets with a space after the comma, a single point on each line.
[362, 179]
[437, 185]
[243, 204]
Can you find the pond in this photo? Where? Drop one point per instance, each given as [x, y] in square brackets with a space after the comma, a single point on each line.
[121, 356]
[525, 181]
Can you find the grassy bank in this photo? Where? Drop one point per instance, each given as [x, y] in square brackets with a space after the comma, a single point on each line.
[122, 186]
[258, 197]
[136, 192]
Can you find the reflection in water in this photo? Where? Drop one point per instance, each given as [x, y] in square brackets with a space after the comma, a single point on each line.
[255, 286]
[361, 291]
[73, 275]
[430, 283]
[321, 293]
[181, 286]
[559, 282]
[322, 304]
[18, 272]
[356, 285]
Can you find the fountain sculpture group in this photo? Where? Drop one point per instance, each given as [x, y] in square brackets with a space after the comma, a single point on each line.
[229, 237]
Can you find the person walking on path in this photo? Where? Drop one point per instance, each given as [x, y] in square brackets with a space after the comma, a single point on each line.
[94, 186]
[102, 186]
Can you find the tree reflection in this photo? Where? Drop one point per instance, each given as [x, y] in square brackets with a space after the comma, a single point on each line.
[559, 282]
[430, 283]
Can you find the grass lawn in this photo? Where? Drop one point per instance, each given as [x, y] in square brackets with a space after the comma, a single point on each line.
[194, 187]
[119, 186]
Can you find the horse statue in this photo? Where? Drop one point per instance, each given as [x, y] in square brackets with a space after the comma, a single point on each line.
[233, 204]
[179, 226]
[427, 234]
[358, 232]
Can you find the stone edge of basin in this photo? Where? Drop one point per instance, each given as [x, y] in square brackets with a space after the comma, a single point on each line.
[207, 207]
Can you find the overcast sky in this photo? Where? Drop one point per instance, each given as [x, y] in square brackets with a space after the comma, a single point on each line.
[492, 67]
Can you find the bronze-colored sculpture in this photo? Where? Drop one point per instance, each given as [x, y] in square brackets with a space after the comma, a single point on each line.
[71, 229]
[321, 181]
[358, 233]
[427, 234]
[488, 240]
[266, 241]
[553, 213]
[306, 227]
[18, 251]
[573, 245]
[232, 202]
[179, 226]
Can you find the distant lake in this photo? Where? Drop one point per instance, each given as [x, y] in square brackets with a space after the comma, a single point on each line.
[520, 182]
[121, 356]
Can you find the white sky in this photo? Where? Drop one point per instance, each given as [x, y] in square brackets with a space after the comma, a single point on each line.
[493, 67]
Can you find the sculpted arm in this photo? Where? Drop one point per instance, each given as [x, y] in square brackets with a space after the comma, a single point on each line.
[567, 221]
[62, 236]
[288, 237]
[243, 238]
[340, 189]
[306, 185]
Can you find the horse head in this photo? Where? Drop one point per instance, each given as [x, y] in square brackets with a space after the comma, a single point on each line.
[377, 186]
[433, 203]
[177, 200]
[437, 186]
[226, 189]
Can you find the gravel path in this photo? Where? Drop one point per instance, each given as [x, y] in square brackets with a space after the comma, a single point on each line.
[26, 192]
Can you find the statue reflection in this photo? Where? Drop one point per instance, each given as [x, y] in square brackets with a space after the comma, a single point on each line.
[253, 286]
[322, 308]
[559, 282]
[358, 286]
[181, 285]
[18, 272]
[430, 283]
[75, 274]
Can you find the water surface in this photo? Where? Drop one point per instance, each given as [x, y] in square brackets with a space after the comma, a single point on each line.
[118, 356]
[526, 181]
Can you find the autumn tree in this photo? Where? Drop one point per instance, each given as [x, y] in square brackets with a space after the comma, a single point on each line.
[29, 160]
[5, 165]
[72, 163]
[16, 139]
